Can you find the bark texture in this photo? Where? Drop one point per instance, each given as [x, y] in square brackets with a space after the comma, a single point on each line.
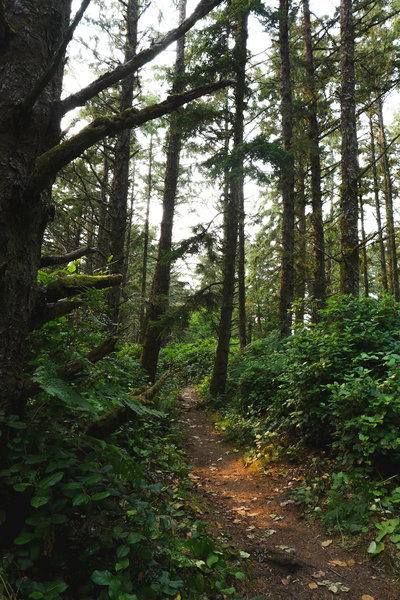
[349, 267]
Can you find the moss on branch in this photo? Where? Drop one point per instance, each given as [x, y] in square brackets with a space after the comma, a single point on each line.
[52, 161]
[65, 287]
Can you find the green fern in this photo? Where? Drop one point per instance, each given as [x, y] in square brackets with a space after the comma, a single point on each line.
[46, 375]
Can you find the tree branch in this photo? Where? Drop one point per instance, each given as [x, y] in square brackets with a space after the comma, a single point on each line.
[52, 260]
[112, 77]
[113, 420]
[371, 164]
[46, 77]
[75, 367]
[49, 163]
[65, 287]
[52, 311]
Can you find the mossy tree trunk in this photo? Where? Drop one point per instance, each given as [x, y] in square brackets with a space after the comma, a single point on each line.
[24, 135]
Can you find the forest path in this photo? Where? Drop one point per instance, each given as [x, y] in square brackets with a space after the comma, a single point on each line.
[289, 559]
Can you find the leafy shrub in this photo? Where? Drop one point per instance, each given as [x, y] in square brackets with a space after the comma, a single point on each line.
[334, 385]
[189, 362]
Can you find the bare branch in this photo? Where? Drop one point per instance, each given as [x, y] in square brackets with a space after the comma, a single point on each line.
[50, 260]
[133, 65]
[49, 163]
[46, 77]
[377, 158]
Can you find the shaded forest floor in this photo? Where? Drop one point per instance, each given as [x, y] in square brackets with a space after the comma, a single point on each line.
[289, 558]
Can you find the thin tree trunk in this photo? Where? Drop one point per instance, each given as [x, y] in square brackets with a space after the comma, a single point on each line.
[231, 213]
[242, 269]
[287, 175]
[391, 236]
[159, 295]
[364, 261]
[300, 252]
[104, 224]
[319, 278]
[382, 254]
[118, 206]
[349, 268]
[143, 291]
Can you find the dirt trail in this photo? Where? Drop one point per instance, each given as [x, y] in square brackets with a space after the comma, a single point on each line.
[289, 559]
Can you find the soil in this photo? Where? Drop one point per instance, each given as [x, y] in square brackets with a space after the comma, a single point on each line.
[290, 558]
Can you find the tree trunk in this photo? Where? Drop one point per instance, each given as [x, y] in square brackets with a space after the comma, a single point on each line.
[143, 292]
[300, 265]
[232, 207]
[118, 206]
[159, 295]
[103, 230]
[242, 269]
[391, 236]
[287, 175]
[23, 137]
[382, 254]
[318, 292]
[349, 267]
[364, 261]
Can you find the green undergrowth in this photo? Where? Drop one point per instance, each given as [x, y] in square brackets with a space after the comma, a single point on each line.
[90, 518]
[331, 390]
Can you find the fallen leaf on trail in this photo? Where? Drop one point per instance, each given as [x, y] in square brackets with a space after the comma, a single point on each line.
[251, 536]
[313, 586]
[326, 543]
[335, 588]
[270, 532]
[287, 549]
[319, 574]
[253, 514]
[236, 521]
[366, 597]
[286, 502]
[337, 563]
[286, 581]
[351, 562]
